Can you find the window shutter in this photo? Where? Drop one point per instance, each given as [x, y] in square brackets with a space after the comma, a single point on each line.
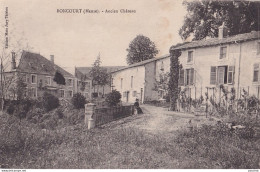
[187, 78]
[191, 76]
[181, 79]
[231, 71]
[256, 73]
[213, 75]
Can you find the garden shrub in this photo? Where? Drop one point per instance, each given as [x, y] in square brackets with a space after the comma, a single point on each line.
[50, 102]
[78, 101]
[113, 98]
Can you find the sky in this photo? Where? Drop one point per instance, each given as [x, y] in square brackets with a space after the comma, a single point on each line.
[76, 39]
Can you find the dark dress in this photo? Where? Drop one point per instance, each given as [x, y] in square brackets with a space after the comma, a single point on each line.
[139, 110]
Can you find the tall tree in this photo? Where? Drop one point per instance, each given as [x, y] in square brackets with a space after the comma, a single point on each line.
[141, 48]
[204, 17]
[99, 75]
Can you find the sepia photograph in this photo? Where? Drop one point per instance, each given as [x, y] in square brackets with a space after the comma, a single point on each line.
[123, 84]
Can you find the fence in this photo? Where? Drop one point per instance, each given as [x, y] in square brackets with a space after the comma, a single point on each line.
[105, 115]
[221, 98]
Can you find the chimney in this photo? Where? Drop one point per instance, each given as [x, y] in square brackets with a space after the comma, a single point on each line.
[13, 63]
[52, 58]
[222, 31]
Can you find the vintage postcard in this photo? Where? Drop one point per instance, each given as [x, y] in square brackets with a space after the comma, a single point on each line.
[121, 84]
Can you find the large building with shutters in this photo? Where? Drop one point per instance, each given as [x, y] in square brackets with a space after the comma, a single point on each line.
[210, 65]
[37, 73]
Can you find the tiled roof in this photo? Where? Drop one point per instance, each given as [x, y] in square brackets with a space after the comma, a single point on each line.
[142, 63]
[86, 70]
[215, 41]
[36, 63]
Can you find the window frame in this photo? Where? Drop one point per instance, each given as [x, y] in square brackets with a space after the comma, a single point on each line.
[48, 78]
[32, 79]
[32, 93]
[70, 96]
[220, 48]
[63, 93]
[192, 58]
[71, 83]
[255, 82]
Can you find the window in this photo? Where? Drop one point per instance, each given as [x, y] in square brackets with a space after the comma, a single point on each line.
[70, 82]
[48, 79]
[223, 52]
[134, 93]
[181, 79]
[222, 75]
[34, 79]
[189, 77]
[190, 56]
[70, 93]
[86, 94]
[256, 73]
[132, 81]
[121, 83]
[33, 92]
[62, 93]
[231, 71]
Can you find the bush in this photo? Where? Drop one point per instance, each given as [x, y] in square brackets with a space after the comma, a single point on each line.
[113, 98]
[78, 101]
[50, 101]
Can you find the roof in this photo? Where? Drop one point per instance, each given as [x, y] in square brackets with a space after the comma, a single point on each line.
[86, 70]
[36, 63]
[142, 63]
[216, 41]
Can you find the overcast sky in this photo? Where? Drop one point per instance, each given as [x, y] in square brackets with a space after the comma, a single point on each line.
[77, 39]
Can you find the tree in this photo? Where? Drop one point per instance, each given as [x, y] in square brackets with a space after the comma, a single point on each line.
[59, 78]
[140, 49]
[113, 98]
[99, 75]
[204, 18]
[12, 44]
[78, 101]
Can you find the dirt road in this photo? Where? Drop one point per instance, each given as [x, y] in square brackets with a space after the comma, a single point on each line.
[158, 120]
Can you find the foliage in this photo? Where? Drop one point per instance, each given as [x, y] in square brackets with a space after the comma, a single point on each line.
[78, 101]
[50, 101]
[113, 98]
[99, 75]
[174, 79]
[204, 18]
[59, 78]
[230, 148]
[141, 48]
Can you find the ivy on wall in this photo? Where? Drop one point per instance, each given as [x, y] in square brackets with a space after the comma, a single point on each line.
[174, 78]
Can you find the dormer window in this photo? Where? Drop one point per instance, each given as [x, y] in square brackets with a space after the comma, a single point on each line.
[190, 56]
[223, 52]
[70, 82]
[43, 65]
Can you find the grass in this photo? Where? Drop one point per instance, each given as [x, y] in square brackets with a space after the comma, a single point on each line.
[26, 145]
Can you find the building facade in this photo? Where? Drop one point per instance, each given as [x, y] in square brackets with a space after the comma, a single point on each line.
[139, 80]
[38, 73]
[230, 63]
